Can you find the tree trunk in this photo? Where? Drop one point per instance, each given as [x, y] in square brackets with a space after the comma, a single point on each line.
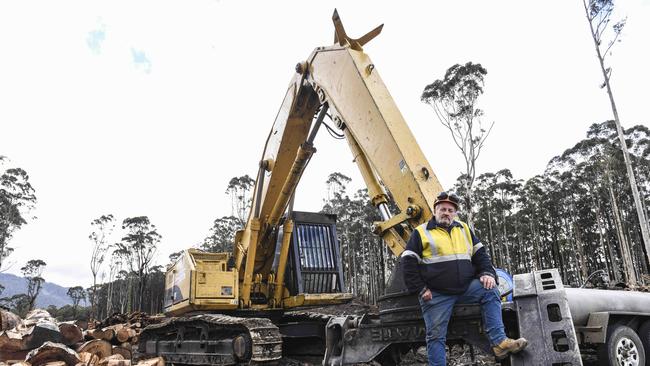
[578, 243]
[601, 240]
[643, 222]
[93, 298]
[491, 244]
[625, 249]
[505, 241]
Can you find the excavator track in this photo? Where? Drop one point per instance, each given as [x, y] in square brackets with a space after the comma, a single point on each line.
[303, 329]
[213, 339]
[304, 336]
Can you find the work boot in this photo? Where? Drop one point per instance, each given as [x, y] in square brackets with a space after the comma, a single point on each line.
[509, 345]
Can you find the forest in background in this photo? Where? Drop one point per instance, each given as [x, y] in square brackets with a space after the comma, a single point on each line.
[577, 216]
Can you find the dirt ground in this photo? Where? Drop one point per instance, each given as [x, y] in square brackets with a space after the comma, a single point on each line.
[457, 356]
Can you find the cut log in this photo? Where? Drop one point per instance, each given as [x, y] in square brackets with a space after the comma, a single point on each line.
[158, 361]
[26, 338]
[88, 359]
[93, 334]
[70, 333]
[8, 320]
[12, 357]
[98, 347]
[88, 335]
[50, 352]
[117, 350]
[18, 363]
[39, 314]
[119, 363]
[83, 324]
[56, 363]
[124, 334]
[93, 324]
[107, 334]
[112, 360]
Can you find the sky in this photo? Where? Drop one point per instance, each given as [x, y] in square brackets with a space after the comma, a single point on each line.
[150, 107]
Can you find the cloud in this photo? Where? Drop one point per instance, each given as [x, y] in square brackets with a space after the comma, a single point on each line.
[141, 61]
[95, 39]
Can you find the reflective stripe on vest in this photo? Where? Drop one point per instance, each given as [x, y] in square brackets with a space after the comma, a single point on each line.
[410, 253]
[447, 258]
[432, 243]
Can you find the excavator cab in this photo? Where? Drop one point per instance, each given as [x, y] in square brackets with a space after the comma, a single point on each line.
[314, 265]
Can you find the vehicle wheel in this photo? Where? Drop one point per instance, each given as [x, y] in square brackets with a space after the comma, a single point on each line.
[644, 334]
[623, 347]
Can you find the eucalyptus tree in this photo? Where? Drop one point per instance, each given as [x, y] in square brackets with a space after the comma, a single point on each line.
[365, 259]
[102, 229]
[32, 272]
[454, 100]
[535, 220]
[605, 33]
[221, 237]
[76, 294]
[506, 192]
[484, 203]
[240, 189]
[17, 199]
[141, 242]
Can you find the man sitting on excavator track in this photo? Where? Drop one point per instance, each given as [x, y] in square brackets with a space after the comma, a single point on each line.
[445, 263]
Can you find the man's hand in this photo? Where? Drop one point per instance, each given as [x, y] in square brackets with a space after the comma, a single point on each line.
[488, 282]
[426, 295]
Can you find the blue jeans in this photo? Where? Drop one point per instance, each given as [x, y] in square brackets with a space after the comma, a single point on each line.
[437, 311]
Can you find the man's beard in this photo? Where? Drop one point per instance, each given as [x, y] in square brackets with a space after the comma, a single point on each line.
[445, 221]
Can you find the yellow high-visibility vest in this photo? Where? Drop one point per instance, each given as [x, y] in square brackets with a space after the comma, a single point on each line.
[440, 245]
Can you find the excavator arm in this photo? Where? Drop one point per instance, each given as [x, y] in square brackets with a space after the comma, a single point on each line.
[340, 80]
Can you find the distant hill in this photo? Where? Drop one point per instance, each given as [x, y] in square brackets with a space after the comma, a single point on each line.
[51, 293]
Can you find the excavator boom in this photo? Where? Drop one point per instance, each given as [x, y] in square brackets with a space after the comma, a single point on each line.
[340, 80]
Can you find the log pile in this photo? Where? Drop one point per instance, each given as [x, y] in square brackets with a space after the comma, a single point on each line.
[39, 340]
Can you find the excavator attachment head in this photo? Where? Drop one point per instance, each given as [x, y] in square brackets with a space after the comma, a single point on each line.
[342, 38]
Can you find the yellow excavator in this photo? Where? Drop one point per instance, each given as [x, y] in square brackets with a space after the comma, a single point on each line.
[281, 291]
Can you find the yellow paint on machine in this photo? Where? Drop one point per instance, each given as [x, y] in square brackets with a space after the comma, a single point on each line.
[201, 281]
[316, 299]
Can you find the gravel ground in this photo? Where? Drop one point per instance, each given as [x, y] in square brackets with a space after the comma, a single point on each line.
[457, 356]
